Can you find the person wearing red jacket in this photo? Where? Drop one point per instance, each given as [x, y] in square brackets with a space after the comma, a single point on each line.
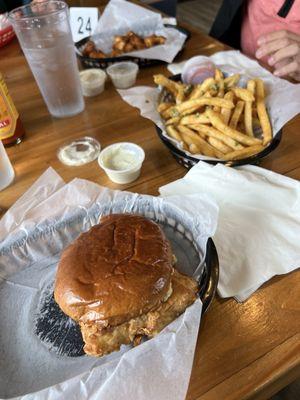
[268, 30]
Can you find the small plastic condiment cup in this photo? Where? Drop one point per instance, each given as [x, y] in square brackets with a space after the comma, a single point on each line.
[92, 81]
[123, 74]
[197, 69]
[126, 175]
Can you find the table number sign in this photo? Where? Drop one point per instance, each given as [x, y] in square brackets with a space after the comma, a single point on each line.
[83, 21]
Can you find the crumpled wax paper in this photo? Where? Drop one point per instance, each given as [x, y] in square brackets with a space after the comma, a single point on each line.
[120, 17]
[259, 223]
[29, 252]
[282, 100]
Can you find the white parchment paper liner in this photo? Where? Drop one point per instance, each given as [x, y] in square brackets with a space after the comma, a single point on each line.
[283, 99]
[159, 368]
[259, 223]
[120, 17]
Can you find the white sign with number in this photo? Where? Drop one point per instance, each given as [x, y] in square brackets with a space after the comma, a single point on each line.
[83, 21]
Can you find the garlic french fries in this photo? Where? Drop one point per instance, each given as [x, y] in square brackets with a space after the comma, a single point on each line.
[217, 122]
[237, 114]
[262, 112]
[216, 118]
[191, 137]
[215, 133]
[248, 117]
[226, 112]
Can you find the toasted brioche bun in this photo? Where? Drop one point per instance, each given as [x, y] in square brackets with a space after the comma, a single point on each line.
[118, 270]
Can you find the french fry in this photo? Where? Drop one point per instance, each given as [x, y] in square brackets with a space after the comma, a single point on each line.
[207, 83]
[173, 121]
[180, 94]
[188, 135]
[219, 145]
[231, 81]
[206, 149]
[207, 94]
[167, 83]
[262, 112]
[164, 106]
[243, 153]
[199, 90]
[194, 149]
[218, 75]
[212, 132]
[220, 92]
[226, 112]
[243, 94]
[217, 122]
[195, 119]
[248, 110]
[166, 113]
[196, 92]
[197, 103]
[173, 133]
[237, 114]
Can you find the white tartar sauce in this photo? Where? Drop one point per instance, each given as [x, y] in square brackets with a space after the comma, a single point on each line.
[120, 159]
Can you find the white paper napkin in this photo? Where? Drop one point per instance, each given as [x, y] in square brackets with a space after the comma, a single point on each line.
[121, 16]
[47, 184]
[259, 223]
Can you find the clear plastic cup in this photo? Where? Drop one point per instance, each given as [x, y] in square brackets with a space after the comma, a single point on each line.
[44, 34]
[7, 173]
[123, 74]
[197, 69]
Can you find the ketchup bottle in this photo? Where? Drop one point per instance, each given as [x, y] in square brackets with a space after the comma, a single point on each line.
[11, 127]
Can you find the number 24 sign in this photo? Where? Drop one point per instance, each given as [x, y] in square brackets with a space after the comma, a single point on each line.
[83, 21]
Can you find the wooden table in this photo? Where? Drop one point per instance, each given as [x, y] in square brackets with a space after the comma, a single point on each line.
[244, 351]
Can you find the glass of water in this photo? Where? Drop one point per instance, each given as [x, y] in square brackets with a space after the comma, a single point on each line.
[44, 33]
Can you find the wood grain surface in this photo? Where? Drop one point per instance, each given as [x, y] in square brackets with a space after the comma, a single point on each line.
[244, 351]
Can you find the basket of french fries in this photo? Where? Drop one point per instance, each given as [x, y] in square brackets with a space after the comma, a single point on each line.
[217, 119]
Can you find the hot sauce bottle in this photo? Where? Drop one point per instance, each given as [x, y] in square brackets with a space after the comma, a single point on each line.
[11, 128]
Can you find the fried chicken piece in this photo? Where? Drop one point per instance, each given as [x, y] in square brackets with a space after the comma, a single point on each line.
[97, 54]
[161, 39]
[154, 40]
[128, 48]
[88, 48]
[137, 42]
[115, 53]
[101, 340]
[120, 45]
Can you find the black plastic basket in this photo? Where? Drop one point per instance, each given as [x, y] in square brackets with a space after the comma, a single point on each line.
[103, 63]
[189, 161]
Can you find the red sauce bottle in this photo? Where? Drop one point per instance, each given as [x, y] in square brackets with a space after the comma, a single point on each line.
[11, 127]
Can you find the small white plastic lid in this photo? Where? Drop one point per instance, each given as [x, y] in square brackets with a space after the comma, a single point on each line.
[79, 152]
